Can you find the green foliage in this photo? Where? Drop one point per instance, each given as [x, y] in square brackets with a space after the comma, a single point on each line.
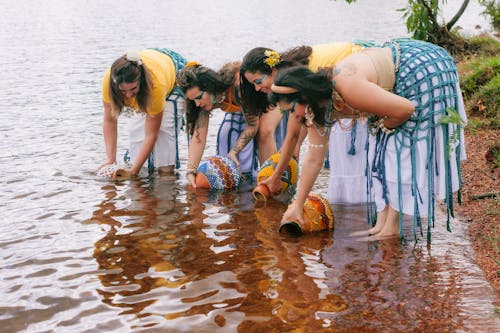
[452, 117]
[492, 9]
[480, 72]
[420, 20]
[490, 92]
[480, 83]
[496, 158]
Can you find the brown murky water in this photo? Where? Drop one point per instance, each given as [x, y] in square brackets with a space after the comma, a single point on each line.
[214, 262]
[79, 254]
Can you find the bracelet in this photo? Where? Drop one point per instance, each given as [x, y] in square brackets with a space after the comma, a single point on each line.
[381, 125]
[191, 166]
[312, 145]
[190, 172]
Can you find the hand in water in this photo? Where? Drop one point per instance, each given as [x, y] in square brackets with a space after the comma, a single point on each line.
[107, 162]
[273, 183]
[191, 178]
[123, 174]
[293, 213]
[232, 155]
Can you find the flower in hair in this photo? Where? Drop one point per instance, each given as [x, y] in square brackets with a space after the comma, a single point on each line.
[272, 58]
[193, 64]
[134, 56]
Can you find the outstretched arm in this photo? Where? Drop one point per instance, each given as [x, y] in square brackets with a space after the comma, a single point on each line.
[197, 146]
[293, 128]
[313, 162]
[110, 132]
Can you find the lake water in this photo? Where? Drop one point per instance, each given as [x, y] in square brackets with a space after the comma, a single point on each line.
[80, 254]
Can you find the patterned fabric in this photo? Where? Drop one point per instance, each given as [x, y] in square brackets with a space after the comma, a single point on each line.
[421, 160]
[230, 129]
[289, 176]
[179, 61]
[221, 173]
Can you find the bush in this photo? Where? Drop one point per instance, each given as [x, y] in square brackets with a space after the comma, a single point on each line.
[480, 82]
[492, 9]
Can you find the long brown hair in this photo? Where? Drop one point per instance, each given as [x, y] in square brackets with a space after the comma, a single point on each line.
[206, 79]
[128, 71]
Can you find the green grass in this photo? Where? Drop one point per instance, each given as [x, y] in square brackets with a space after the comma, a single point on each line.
[480, 82]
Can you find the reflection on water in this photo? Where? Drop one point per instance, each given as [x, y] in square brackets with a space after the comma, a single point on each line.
[206, 262]
[80, 254]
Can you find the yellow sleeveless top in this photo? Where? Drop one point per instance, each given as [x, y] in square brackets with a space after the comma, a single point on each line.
[327, 55]
[162, 72]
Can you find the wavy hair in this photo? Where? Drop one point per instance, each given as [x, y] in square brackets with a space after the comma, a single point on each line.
[314, 89]
[206, 79]
[128, 71]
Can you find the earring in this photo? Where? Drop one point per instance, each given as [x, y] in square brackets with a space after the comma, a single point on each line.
[309, 116]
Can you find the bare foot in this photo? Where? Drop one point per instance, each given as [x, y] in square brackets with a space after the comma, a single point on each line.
[377, 237]
[166, 170]
[381, 217]
[369, 232]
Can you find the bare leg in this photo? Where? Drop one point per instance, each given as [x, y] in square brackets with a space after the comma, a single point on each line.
[267, 126]
[391, 225]
[381, 219]
[166, 170]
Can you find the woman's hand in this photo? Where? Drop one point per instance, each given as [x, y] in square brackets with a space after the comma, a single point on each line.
[293, 213]
[191, 178]
[107, 162]
[123, 174]
[273, 183]
[233, 155]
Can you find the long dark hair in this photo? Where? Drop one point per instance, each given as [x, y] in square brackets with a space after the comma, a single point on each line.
[256, 102]
[206, 79]
[314, 89]
[128, 71]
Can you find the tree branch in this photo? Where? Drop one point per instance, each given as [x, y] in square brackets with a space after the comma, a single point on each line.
[432, 15]
[455, 18]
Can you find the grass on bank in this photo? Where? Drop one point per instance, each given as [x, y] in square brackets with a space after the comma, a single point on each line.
[479, 68]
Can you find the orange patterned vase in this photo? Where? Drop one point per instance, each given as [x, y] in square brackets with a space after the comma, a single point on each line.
[218, 173]
[288, 178]
[318, 216]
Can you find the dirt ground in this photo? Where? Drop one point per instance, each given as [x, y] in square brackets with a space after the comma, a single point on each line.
[480, 177]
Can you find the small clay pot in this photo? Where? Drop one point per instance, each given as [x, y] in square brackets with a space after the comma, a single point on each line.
[201, 180]
[261, 193]
[121, 174]
[291, 227]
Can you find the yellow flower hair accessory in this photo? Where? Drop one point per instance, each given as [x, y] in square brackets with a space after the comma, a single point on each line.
[193, 64]
[272, 58]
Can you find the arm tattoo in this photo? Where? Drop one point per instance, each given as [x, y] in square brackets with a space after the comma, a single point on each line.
[348, 69]
[248, 133]
[336, 72]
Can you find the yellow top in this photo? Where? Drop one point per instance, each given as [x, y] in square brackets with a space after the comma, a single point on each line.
[162, 72]
[327, 55]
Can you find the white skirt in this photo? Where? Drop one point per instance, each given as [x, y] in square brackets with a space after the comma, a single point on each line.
[165, 151]
[347, 183]
[402, 198]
